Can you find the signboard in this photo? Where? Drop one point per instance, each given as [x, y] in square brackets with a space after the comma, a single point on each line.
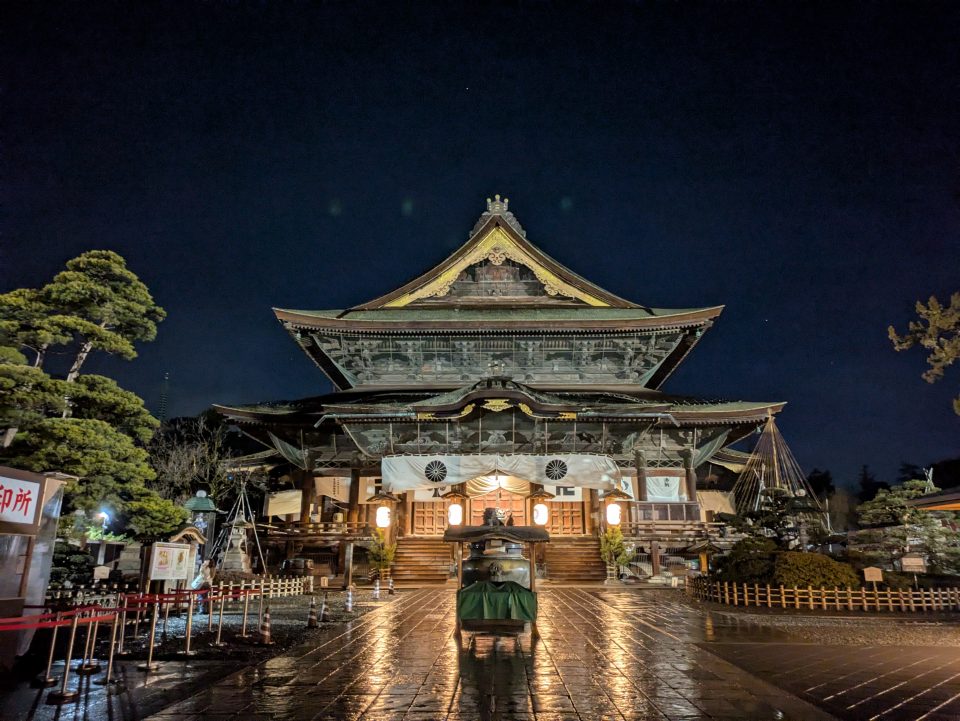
[872, 573]
[171, 561]
[913, 563]
[21, 496]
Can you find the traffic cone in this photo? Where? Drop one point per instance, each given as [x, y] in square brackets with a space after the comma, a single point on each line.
[390, 590]
[323, 608]
[376, 589]
[312, 618]
[265, 639]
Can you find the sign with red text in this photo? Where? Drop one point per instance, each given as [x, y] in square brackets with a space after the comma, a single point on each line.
[20, 502]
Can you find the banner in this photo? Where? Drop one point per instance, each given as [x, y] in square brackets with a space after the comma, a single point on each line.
[405, 473]
[666, 488]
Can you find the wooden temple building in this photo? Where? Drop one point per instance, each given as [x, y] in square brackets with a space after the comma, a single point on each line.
[498, 373]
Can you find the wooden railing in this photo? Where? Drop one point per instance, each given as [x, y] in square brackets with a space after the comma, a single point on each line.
[322, 528]
[824, 599]
[666, 529]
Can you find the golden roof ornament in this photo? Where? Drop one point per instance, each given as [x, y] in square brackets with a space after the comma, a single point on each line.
[501, 208]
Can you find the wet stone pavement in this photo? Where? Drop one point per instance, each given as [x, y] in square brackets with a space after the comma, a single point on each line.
[599, 655]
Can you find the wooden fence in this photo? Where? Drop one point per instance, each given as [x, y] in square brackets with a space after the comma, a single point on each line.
[824, 599]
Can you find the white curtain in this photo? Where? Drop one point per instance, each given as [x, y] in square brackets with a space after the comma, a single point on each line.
[404, 473]
[665, 488]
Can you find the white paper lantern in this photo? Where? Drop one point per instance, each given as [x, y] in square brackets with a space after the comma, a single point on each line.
[613, 514]
[541, 514]
[383, 517]
[455, 514]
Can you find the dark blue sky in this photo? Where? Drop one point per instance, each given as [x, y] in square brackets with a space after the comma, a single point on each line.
[796, 162]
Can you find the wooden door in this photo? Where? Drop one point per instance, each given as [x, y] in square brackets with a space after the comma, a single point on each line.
[510, 503]
[566, 518]
[429, 518]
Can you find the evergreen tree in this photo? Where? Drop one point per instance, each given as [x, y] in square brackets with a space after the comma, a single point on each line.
[821, 482]
[938, 331]
[96, 304]
[869, 485]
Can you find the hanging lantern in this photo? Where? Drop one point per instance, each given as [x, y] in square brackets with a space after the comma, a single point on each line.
[454, 514]
[541, 514]
[613, 514]
[383, 517]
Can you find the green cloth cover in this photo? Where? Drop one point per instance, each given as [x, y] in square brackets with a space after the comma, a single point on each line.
[488, 600]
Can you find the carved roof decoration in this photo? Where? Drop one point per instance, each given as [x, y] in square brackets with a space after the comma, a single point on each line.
[496, 238]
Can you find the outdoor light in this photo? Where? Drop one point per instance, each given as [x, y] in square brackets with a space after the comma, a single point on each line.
[455, 514]
[383, 517]
[104, 519]
[613, 514]
[541, 514]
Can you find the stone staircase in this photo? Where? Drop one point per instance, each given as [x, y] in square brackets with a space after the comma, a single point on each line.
[574, 558]
[421, 560]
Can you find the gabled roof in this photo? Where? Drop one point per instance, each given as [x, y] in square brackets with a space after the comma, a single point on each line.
[498, 237]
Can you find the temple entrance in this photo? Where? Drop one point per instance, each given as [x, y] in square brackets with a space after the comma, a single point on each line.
[566, 518]
[513, 505]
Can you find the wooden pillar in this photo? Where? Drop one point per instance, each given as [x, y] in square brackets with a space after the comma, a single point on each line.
[408, 513]
[353, 510]
[691, 476]
[705, 566]
[308, 489]
[588, 519]
[348, 564]
[640, 460]
[654, 558]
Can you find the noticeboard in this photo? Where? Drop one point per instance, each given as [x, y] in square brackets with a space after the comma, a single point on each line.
[913, 564]
[872, 574]
[171, 562]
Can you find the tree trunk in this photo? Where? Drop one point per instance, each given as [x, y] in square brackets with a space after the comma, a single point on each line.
[41, 356]
[79, 361]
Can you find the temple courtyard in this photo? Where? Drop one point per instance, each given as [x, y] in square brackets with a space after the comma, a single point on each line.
[599, 654]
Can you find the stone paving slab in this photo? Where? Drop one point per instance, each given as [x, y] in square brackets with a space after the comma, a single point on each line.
[598, 655]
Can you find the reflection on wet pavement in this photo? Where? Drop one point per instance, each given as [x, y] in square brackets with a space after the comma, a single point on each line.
[598, 655]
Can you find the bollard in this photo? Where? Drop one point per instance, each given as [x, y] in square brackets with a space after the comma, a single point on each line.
[189, 629]
[113, 639]
[350, 598]
[150, 664]
[323, 608]
[312, 616]
[63, 695]
[260, 611]
[246, 609]
[46, 679]
[88, 664]
[376, 589]
[218, 643]
[265, 638]
[390, 590]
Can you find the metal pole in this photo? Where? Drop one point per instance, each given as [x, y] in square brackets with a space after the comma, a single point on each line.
[218, 642]
[47, 679]
[89, 664]
[123, 628]
[150, 665]
[113, 639]
[246, 609]
[260, 612]
[64, 696]
[189, 629]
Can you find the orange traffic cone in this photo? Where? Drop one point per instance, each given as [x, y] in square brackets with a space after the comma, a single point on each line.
[265, 638]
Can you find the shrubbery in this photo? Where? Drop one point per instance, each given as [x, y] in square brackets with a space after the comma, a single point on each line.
[793, 568]
[758, 560]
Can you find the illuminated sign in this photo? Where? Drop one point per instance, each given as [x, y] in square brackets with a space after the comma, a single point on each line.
[19, 500]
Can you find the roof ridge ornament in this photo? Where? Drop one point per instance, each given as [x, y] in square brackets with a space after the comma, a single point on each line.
[500, 208]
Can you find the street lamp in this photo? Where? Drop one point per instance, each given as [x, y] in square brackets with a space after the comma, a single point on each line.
[104, 519]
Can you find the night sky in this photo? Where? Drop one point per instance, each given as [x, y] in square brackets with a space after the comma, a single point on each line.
[796, 162]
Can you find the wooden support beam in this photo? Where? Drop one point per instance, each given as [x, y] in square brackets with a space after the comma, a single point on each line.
[353, 510]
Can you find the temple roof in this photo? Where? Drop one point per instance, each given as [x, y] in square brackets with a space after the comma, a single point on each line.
[496, 394]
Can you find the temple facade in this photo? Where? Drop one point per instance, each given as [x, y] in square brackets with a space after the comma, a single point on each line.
[499, 373]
